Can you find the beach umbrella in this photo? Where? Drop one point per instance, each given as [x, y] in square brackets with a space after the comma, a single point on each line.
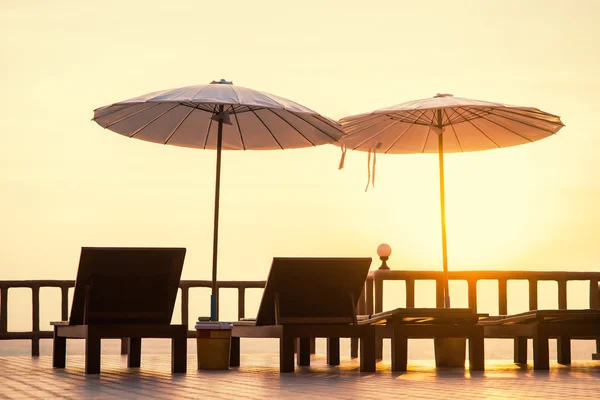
[218, 116]
[445, 124]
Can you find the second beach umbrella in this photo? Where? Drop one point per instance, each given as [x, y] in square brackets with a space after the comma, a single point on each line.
[218, 116]
[446, 124]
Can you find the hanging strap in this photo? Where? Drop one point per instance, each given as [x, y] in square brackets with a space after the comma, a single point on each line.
[371, 177]
[343, 147]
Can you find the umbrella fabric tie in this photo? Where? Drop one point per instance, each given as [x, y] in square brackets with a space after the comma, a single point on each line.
[371, 177]
[341, 166]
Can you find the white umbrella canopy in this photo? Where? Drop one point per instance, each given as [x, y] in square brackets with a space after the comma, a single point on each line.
[468, 125]
[185, 117]
[218, 116]
[445, 124]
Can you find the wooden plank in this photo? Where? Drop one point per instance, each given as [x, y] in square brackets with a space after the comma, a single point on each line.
[562, 294]
[241, 303]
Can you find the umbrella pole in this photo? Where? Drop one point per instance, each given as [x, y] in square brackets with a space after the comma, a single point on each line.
[443, 207]
[213, 295]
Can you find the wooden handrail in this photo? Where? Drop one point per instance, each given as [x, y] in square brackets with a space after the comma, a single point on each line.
[35, 285]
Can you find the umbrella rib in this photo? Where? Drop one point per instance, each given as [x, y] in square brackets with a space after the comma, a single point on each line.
[400, 137]
[208, 130]
[267, 128]
[373, 116]
[483, 133]
[372, 125]
[178, 125]
[453, 129]
[131, 115]
[314, 126]
[119, 107]
[293, 127]
[376, 134]
[508, 129]
[525, 123]
[237, 122]
[152, 120]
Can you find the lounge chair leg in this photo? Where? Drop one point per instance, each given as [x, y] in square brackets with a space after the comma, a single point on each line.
[286, 353]
[313, 345]
[353, 347]
[179, 351]
[399, 351]
[333, 351]
[92, 353]
[563, 347]
[303, 352]
[520, 350]
[234, 357]
[367, 350]
[59, 351]
[379, 348]
[476, 350]
[541, 356]
[134, 352]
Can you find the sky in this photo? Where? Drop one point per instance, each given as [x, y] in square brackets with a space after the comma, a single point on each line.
[68, 183]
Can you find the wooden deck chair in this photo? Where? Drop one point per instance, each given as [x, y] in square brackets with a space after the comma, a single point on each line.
[541, 325]
[307, 298]
[124, 293]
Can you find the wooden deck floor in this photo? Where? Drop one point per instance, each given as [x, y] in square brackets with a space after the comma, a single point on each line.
[24, 377]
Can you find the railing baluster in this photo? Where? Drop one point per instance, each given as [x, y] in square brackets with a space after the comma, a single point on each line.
[439, 293]
[241, 302]
[35, 308]
[594, 294]
[410, 293]
[185, 309]
[502, 297]
[369, 296]
[562, 294]
[378, 295]
[533, 290]
[472, 288]
[64, 303]
[4, 309]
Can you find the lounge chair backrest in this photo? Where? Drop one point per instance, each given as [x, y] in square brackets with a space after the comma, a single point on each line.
[126, 285]
[313, 290]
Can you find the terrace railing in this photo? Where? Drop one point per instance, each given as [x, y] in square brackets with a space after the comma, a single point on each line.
[370, 302]
[35, 285]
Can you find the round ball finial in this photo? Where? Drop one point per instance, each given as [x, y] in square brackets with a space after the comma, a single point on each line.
[384, 251]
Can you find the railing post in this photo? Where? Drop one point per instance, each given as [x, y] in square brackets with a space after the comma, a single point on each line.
[35, 303]
[410, 293]
[502, 297]
[533, 289]
[562, 294]
[472, 289]
[369, 296]
[4, 309]
[594, 294]
[241, 302]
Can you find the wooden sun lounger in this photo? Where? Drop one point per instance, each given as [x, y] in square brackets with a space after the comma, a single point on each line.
[124, 293]
[438, 323]
[291, 310]
[541, 325]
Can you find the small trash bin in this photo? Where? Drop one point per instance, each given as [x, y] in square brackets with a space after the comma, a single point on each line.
[214, 344]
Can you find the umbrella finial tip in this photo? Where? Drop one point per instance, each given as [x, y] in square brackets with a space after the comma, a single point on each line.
[222, 82]
[443, 95]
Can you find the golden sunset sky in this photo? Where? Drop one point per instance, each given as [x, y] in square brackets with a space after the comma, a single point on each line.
[68, 183]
